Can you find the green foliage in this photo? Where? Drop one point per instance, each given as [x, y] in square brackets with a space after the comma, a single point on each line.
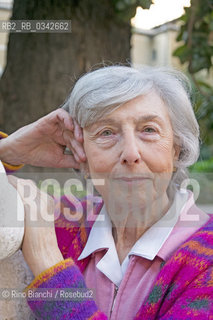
[196, 51]
[197, 35]
[126, 9]
[203, 166]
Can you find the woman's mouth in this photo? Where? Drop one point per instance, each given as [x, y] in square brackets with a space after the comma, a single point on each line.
[132, 179]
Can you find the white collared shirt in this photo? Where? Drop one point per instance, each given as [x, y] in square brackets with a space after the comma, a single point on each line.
[147, 246]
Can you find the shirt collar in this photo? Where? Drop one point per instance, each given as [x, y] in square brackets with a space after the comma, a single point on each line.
[149, 243]
[100, 237]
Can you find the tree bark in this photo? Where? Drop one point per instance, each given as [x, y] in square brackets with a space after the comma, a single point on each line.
[41, 68]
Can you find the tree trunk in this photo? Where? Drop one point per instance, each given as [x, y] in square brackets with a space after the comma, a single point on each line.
[41, 68]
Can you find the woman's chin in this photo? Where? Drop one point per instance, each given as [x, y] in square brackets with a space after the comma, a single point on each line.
[130, 200]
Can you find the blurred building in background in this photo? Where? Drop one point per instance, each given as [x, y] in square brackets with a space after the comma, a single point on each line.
[155, 46]
[5, 13]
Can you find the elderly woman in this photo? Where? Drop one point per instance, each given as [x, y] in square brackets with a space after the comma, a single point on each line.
[148, 253]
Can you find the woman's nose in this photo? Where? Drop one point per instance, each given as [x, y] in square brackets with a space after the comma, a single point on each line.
[130, 153]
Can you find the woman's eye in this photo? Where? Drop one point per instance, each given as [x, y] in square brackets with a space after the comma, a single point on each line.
[106, 133]
[149, 130]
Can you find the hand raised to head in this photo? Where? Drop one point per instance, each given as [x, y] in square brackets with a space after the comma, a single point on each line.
[43, 142]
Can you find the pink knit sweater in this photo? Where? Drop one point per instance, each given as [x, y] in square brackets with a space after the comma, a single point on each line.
[183, 288]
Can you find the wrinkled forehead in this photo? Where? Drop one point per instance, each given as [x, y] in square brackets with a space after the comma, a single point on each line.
[144, 108]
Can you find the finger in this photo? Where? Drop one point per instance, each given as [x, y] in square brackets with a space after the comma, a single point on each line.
[75, 146]
[74, 154]
[78, 149]
[68, 161]
[78, 132]
[66, 119]
[76, 158]
[59, 116]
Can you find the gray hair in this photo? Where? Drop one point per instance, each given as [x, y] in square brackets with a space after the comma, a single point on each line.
[99, 92]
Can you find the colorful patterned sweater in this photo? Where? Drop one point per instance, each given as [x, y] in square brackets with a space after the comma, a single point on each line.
[183, 288]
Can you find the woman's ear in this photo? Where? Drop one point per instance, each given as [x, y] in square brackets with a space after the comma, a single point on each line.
[176, 152]
[84, 168]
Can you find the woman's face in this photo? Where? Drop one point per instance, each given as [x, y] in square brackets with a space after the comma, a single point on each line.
[132, 149]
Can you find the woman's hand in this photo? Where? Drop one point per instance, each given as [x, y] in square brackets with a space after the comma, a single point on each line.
[39, 247]
[42, 143]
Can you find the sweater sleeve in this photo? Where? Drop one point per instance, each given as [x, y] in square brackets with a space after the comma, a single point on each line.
[56, 280]
[9, 167]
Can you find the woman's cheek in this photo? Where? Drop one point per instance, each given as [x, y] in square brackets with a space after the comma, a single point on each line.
[99, 162]
[159, 157]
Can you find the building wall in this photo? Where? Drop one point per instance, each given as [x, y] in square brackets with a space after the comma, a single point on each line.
[5, 14]
[155, 47]
[140, 49]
